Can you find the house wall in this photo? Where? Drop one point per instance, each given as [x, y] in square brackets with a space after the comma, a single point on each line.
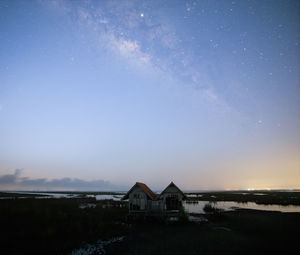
[170, 191]
[155, 205]
[137, 199]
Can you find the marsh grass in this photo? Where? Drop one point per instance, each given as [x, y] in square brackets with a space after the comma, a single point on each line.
[235, 232]
[59, 226]
[20, 195]
[259, 197]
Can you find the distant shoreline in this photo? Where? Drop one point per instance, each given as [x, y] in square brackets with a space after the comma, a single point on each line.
[269, 197]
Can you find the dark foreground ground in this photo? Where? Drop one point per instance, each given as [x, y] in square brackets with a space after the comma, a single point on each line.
[58, 226]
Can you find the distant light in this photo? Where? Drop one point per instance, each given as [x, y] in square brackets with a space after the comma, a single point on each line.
[142, 15]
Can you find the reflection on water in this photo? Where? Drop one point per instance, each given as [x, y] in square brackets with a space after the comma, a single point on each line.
[227, 206]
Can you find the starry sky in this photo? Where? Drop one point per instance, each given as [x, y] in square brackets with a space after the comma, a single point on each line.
[101, 94]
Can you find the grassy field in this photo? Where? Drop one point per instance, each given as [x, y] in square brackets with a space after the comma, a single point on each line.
[58, 226]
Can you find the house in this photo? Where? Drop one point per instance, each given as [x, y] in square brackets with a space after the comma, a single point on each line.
[142, 200]
[171, 197]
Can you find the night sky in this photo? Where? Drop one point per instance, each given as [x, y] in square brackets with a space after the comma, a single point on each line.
[101, 94]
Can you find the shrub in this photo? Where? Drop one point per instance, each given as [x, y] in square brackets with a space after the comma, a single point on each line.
[183, 215]
[209, 208]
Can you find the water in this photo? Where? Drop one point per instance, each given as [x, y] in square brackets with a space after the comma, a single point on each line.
[65, 195]
[228, 206]
[44, 194]
[56, 195]
[113, 197]
[97, 248]
[88, 205]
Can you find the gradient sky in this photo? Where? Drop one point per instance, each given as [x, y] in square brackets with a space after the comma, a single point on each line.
[203, 93]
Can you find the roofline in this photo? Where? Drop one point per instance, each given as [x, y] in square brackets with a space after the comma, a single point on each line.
[172, 184]
[126, 196]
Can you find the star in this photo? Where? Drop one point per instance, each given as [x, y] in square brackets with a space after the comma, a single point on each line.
[142, 15]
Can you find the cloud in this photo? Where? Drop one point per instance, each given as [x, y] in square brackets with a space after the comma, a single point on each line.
[15, 181]
[9, 179]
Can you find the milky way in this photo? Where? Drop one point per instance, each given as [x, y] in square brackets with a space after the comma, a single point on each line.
[205, 93]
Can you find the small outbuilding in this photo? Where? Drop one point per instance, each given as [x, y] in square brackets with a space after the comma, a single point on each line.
[142, 200]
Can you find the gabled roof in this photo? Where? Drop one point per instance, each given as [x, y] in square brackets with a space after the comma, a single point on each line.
[143, 187]
[170, 185]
